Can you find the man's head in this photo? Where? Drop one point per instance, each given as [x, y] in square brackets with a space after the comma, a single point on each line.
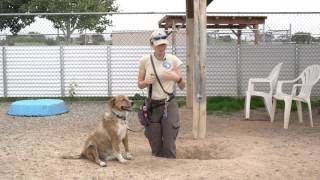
[158, 37]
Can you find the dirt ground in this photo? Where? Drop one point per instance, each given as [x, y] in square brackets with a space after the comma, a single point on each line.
[233, 148]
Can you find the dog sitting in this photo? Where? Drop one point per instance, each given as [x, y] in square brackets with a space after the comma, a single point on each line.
[104, 144]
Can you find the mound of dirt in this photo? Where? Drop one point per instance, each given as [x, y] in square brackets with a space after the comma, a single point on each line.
[233, 149]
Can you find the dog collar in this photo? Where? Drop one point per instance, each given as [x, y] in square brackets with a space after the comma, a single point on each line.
[118, 116]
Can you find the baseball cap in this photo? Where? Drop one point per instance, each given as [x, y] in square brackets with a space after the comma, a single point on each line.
[159, 37]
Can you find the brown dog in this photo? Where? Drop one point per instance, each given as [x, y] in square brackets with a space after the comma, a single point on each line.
[104, 143]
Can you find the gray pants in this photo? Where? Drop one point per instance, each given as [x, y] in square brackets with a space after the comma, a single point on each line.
[162, 133]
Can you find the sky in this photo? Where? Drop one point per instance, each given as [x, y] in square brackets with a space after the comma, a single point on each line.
[220, 5]
[296, 23]
[149, 22]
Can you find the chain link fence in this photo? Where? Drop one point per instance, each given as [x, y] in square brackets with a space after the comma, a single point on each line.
[41, 61]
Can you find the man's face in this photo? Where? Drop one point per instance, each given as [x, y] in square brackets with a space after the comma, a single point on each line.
[160, 49]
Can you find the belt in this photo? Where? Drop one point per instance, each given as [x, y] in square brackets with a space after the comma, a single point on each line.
[158, 101]
[161, 101]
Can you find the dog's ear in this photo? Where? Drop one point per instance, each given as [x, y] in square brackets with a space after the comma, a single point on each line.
[111, 102]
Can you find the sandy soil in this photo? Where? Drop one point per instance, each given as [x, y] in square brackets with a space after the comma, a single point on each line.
[233, 149]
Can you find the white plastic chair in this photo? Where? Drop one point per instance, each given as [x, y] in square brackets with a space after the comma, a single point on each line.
[267, 96]
[299, 93]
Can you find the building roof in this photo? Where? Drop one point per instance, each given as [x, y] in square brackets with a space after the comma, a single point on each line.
[214, 22]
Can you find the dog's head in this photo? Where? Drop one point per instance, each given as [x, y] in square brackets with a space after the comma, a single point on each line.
[121, 103]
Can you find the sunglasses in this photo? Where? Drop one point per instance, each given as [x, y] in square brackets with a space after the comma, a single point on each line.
[159, 37]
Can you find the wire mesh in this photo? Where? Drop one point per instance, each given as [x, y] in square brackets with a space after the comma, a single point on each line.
[43, 61]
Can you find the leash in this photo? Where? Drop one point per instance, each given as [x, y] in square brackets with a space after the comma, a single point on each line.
[135, 130]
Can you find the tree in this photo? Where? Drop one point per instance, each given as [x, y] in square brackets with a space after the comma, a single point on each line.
[33, 38]
[15, 23]
[70, 23]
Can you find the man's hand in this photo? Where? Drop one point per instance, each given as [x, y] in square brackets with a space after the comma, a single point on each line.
[172, 75]
[150, 79]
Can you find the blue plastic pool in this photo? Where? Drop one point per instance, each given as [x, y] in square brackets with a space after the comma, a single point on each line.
[38, 107]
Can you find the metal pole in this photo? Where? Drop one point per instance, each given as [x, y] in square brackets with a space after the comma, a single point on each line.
[239, 73]
[174, 38]
[296, 61]
[4, 71]
[264, 32]
[85, 37]
[109, 80]
[62, 79]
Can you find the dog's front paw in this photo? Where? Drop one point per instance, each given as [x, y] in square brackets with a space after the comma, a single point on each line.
[128, 156]
[102, 164]
[121, 159]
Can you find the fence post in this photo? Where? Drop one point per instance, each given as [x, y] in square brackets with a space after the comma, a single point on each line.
[296, 62]
[62, 79]
[238, 68]
[109, 70]
[174, 40]
[4, 71]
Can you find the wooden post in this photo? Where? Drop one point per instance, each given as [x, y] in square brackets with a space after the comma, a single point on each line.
[174, 38]
[200, 59]
[239, 36]
[189, 46]
[256, 33]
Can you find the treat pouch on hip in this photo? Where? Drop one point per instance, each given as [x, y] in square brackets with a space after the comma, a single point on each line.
[144, 113]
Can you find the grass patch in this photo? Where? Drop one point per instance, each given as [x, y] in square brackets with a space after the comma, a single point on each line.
[234, 104]
[223, 104]
[217, 104]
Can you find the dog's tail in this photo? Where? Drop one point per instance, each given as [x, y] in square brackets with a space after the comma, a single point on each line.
[72, 157]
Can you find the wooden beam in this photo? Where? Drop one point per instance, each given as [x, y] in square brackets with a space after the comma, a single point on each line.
[249, 20]
[256, 33]
[200, 59]
[189, 46]
[238, 34]
[209, 26]
[203, 61]
[174, 32]
[214, 21]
